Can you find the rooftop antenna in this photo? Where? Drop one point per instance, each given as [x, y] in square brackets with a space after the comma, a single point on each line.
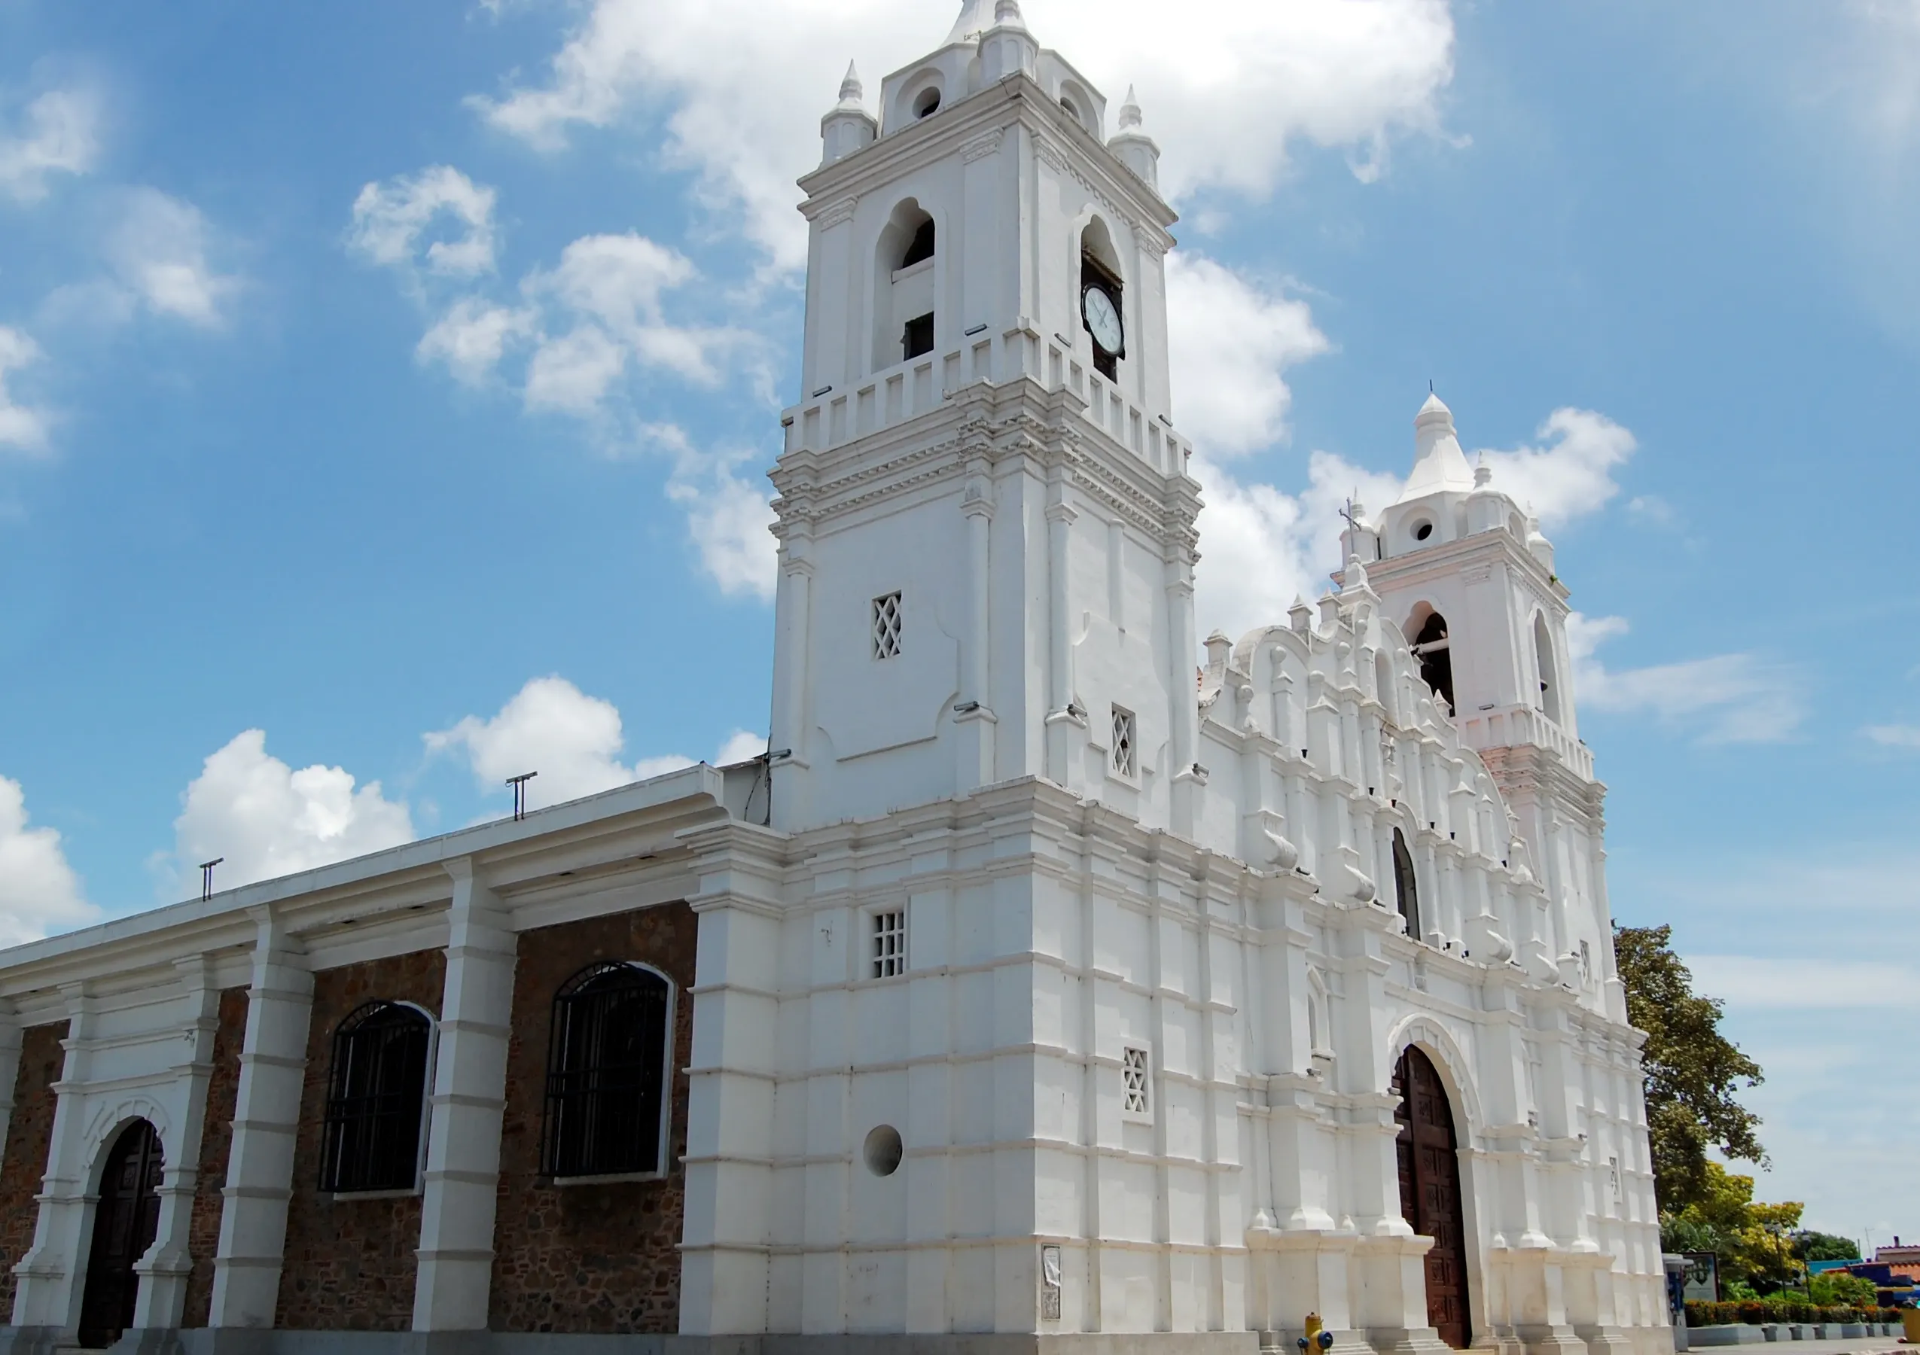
[206, 877]
[519, 784]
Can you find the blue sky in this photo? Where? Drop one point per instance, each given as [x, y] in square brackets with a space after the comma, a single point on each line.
[385, 391]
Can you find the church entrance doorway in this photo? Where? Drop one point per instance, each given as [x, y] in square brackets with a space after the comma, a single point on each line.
[1430, 1191]
[123, 1227]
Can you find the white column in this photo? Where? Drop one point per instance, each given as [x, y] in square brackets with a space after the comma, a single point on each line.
[163, 1271]
[468, 1102]
[1183, 715]
[1061, 721]
[47, 1292]
[975, 716]
[725, 1240]
[266, 1117]
[10, 1037]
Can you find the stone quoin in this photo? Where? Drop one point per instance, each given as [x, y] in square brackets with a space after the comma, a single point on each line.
[1039, 988]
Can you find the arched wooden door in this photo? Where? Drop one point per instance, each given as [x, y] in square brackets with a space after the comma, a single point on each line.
[123, 1229]
[1430, 1191]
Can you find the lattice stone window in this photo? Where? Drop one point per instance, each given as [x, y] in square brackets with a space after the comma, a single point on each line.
[886, 626]
[1123, 742]
[1136, 1096]
[889, 943]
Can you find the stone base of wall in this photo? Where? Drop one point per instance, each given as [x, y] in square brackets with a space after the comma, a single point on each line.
[249, 1341]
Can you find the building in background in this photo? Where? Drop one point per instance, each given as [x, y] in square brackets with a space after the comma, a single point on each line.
[1032, 986]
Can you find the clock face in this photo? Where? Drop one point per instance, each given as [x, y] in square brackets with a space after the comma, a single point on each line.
[1103, 319]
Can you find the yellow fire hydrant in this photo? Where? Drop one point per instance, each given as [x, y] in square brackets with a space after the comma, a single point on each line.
[1314, 1335]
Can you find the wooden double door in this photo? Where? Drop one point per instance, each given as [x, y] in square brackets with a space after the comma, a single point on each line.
[1430, 1191]
[124, 1223]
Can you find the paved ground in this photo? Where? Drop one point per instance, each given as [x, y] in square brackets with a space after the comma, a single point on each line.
[1859, 1345]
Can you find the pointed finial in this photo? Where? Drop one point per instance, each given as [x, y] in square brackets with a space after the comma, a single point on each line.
[1006, 14]
[1130, 111]
[1482, 472]
[851, 90]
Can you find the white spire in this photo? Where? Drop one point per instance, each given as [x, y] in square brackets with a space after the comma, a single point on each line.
[976, 17]
[1137, 151]
[851, 91]
[1439, 464]
[1006, 14]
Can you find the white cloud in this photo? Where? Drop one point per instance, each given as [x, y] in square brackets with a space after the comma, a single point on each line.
[21, 426]
[39, 893]
[390, 219]
[572, 740]
[1229, 345]
[610, 287]
[55, 134]
[158, 251]
[1895, 736]
[743, 83]
[1260, 547]
[266, 819]
[728, 516]
[574, 373]
[1727, 698]
[741, 746]
[1572, 474]
[472, 337]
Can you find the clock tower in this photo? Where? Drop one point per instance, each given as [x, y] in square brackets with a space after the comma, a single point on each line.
[986, 526]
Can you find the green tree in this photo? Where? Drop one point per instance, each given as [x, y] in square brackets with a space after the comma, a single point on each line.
[1813, 1246]
[1754, 1241]
[1692, 1070]
[1844, 1291]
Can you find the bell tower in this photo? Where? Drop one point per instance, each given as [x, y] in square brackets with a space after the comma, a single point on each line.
[1465, 572]
[986, 527]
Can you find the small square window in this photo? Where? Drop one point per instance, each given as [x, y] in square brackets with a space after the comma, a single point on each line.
[1123, 742]
[886, 626]
[917, 338]
[889, 943]
[1136, 1094]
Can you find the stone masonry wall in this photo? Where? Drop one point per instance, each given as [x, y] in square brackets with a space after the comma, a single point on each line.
[203, 1226]
[602, 1257]
[29, 1136]
[350, 1260]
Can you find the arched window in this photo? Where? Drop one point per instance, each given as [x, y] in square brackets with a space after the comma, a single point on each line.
[607, 1073]
[1406, 887]
[1431, 646]
[1549, 672]
[376, 1096]
[1101, 301]
[904, 285]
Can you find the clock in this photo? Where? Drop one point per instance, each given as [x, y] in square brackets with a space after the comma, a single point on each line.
[1102, 314]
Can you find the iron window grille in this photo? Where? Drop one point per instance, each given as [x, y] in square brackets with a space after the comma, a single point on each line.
[376, 1097]
[886, 626]
[1123, 741]
[889, 943]
[606, 1074]
[1133, 1081]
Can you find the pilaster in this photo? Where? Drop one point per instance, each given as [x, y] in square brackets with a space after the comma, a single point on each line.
[466, 1108]
[736, 1014]
[266, 1118]
[47, 1292]
[163, 1271]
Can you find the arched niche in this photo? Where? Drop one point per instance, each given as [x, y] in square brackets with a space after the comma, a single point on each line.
[1426, 632]
[1548, 669]
[1100, 269]
[905, 257]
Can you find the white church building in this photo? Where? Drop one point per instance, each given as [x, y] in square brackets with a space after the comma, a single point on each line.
[1041, 989]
